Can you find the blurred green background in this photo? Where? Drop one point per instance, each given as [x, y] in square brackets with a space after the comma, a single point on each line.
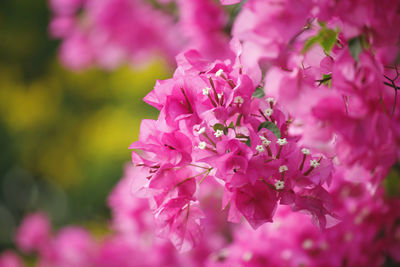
[64, 136]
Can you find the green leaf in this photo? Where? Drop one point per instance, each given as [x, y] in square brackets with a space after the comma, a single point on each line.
[272, 127]
[231, 125]
[259, 92]
[310, 42]
[248, 142]
[326, 37]
[356, 47]
[392, 183]
[326, 80]
[218, 126]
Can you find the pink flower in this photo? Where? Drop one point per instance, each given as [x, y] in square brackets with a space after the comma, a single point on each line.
[33, 235]
[10, 259]
[73, 246]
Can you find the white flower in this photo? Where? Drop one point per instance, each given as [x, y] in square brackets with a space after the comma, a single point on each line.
[271, 100]
[247, 256]
[283, 168]
[305, 151]
[206, 90]
[238, 100]
[314, 163]
[279, 185]
[218, 133]
[201, 130]
[307, 244]
[268, 112]
[265, 141]
[202, 145]
[260, 148]
[219, 72]
[220, 95]
[282, 141]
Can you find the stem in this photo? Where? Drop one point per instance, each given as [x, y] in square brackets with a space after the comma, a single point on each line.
[279, 152]
[209, 139]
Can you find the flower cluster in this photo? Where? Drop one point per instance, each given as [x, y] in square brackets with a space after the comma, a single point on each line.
[333, 65]
[110, 32]
[212, 125]
[368, 235]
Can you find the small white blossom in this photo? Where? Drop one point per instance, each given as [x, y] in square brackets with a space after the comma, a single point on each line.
[219, 72]
[268, 112]
[206, 90]
[283, 168]
[202, 145]
[307, 244]
[282, 141]
[260, 148]
[247, 256]
[218, 133]
[279, 185]
[238, 100]
[265, 141]
[314, 163]
[220, 95]
[201, 130]
[271, 100]
[305, 151]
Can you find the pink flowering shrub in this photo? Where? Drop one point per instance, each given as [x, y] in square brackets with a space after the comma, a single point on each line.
[269, 149]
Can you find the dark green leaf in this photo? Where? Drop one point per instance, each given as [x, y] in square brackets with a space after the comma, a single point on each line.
[259, 92]
[326, 80]
[272, 127]
[355, 47]
[218, 126]
[231, 125]
[392, 182]
[248, 142]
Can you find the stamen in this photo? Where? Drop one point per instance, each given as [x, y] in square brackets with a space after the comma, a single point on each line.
[307, 244]
[247, 256]
[206, 90]
[271, 101]
[238, 100]
[305, 152]
[314, 163]
[219, 72]
[202, 145]
[265, 141]
[279, 185]
[218, 133]
[260, 148]
[281, 143]
[201, 130]
[283, 168]
[268, 112]
[187, 101]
